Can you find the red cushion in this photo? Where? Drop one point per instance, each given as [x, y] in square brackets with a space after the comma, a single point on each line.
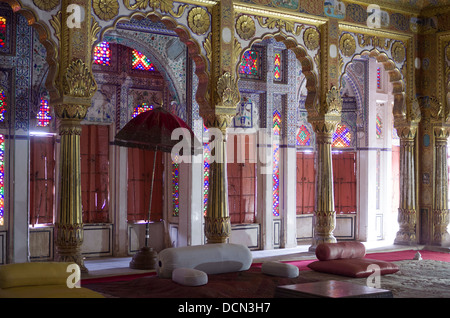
[330, 251]
[353, 267]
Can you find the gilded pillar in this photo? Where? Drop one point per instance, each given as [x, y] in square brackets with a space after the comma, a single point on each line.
[324, 124]
[407, 216]
[76, 86]
[224, 98]
[440, 206]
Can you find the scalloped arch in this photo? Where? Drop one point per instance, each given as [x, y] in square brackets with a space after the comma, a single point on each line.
[395, 76]
[301, 54]
[185, 36]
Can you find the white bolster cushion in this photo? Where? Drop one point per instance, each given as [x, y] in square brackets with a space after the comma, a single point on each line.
[279, 269]
[189, 276]
[210, 258]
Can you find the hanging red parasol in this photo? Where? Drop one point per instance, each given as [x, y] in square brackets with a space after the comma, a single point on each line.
[152, 130]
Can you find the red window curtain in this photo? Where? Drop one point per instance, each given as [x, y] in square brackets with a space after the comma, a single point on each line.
[94, 147]
[242, 181]
[140, 168]
[344, 177]
[42, 179]
[305, 183]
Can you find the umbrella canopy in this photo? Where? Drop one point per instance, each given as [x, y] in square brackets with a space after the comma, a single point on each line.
[153, 130]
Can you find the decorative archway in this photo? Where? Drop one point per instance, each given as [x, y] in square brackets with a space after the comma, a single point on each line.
[185, 36]
[396, 56]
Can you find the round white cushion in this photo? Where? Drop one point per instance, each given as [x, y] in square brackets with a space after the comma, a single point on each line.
[210, 258]
[280, 269]
[189, 277]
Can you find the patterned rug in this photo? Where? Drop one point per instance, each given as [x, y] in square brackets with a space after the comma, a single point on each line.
[416, 279]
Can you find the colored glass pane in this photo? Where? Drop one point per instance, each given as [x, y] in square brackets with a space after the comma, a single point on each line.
[141, 108]
[141, 62]
[176, 188]
[378, 78]
[249, 63]
[2, 32]
[277, 67]
[43, 116]
[206, 169]
[276, 122]
[2, 175]
[2, 105]
[341, 137]
[303, 136]
[102, 54]
[276, 181]
[378, 125]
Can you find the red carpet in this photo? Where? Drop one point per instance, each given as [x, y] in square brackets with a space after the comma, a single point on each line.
[301, 264]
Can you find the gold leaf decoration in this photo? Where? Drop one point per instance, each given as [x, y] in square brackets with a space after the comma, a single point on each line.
[208, 48]
[166, 6]
[106, 9]
[334, 101]
[78, 80]
[56, 24]
[227, 90]
[311, 38]
[245, 27]
[272, 23]
[46, 5]
[347, 44]
[398, 52]
[198, 20]
[95, 28]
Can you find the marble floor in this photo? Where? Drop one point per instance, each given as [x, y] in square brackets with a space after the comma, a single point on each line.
[111, 266]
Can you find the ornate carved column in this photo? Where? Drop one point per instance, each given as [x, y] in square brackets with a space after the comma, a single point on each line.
[407, 217]
[76, 86]
[440, 206]
[224, 97]
[324, 124]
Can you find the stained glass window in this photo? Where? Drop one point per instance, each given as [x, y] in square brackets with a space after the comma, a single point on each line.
[206, 169]
[276, 165]
[303, 136]
[43, 115]
[342, 137]
[141, 108]
[249, 63]
[277, 70]
[175, 188]
[2, 175]
[141, 62]
[379, 78]
[276, 123]
[102, 54]
[2, 105]
[379, 126]
[276, 180]
[2, 32]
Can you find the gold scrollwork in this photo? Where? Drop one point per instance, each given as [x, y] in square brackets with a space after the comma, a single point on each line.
[46, 5]
[166, 6]
[245, 27]
[311, 38]
[78, 80]
[198, 20]
[272, 23]
[398, 52]
[227, 90]
[347, 44]
[333, 101]
[370, 40]
[106, 9]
